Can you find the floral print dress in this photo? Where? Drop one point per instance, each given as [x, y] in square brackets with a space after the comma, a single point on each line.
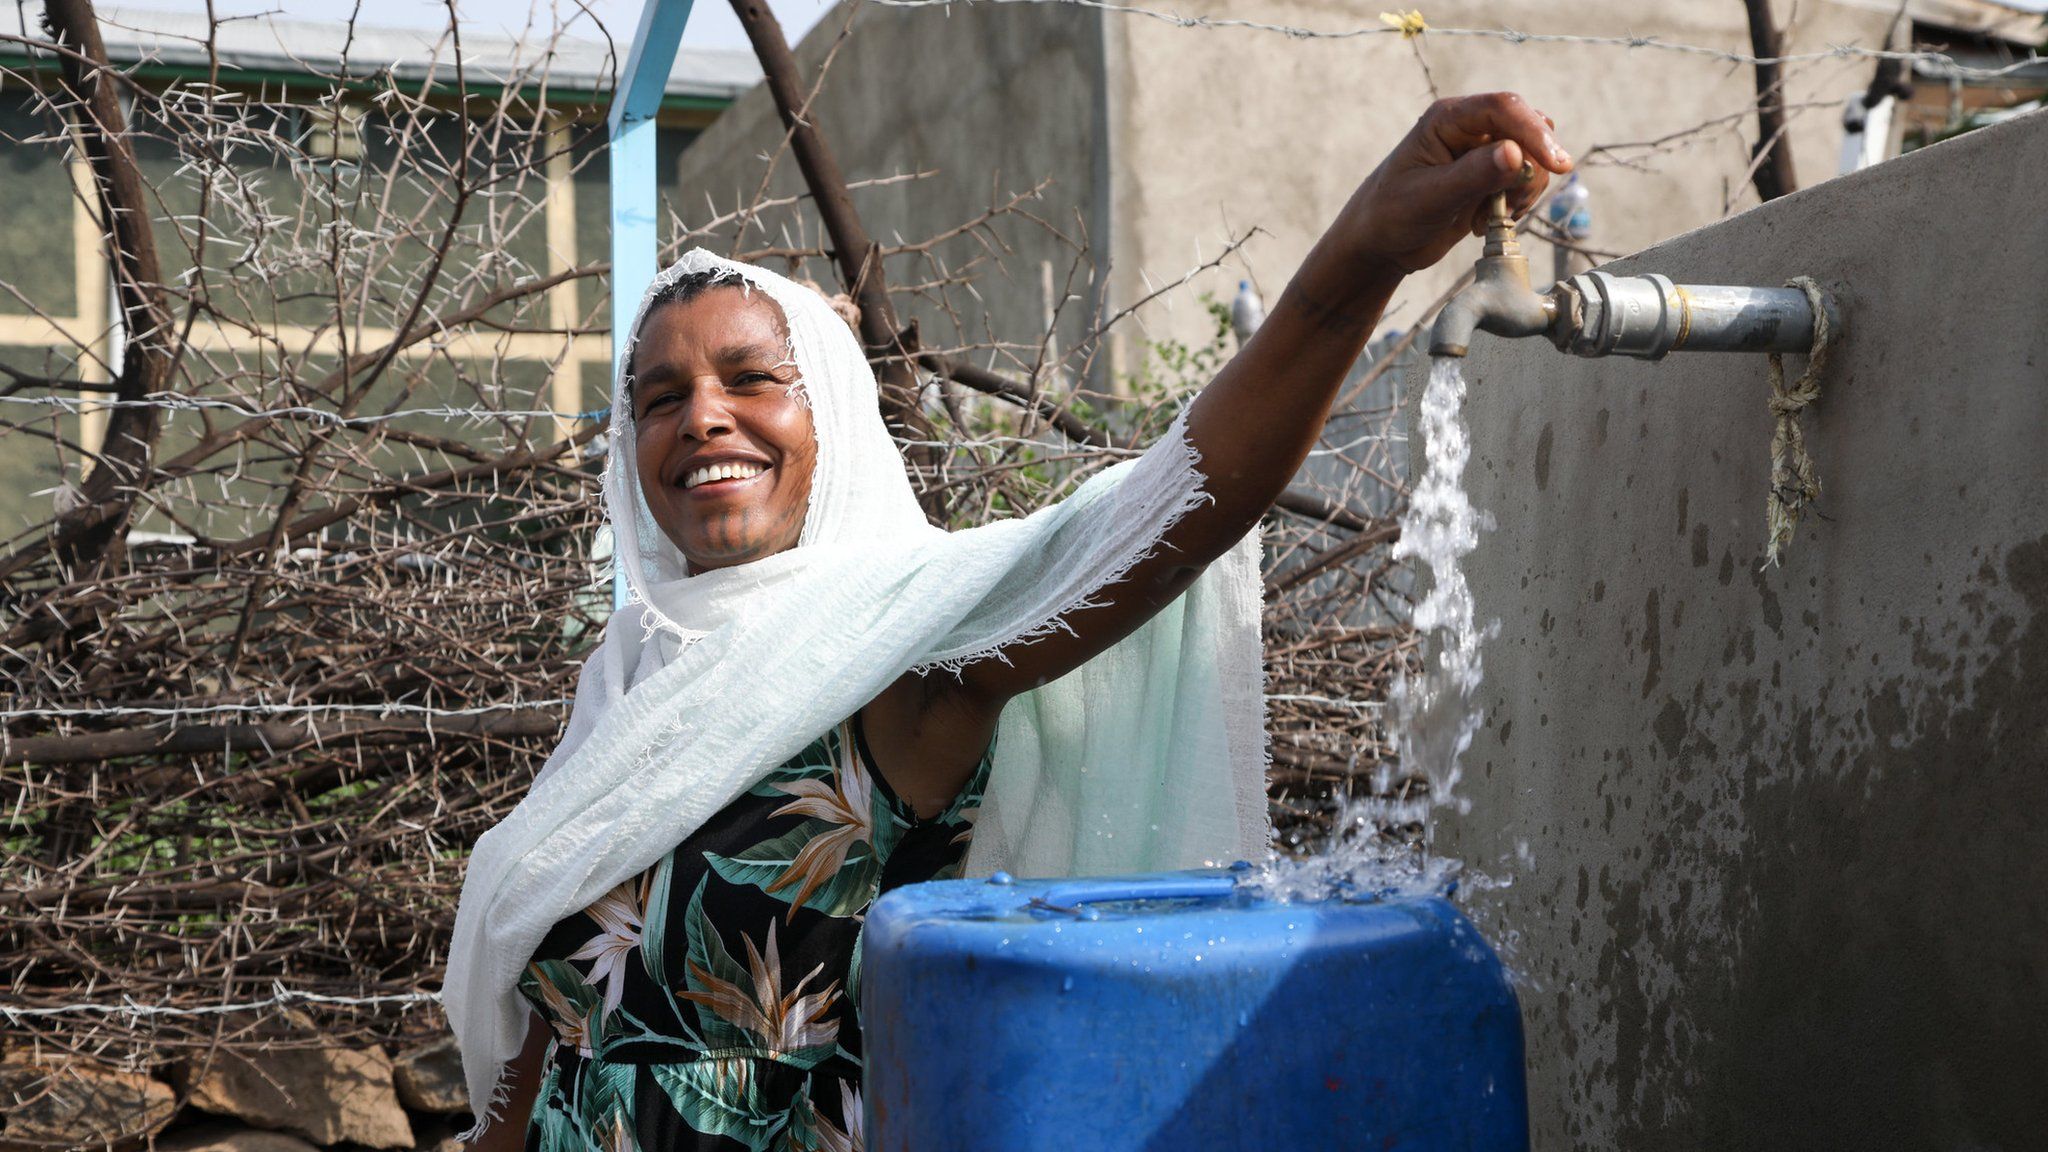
[711, 1003]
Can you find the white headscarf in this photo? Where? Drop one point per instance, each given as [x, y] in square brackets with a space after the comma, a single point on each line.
[1150, 756]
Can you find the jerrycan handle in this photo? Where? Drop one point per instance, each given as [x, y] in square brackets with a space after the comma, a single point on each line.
[1072, 898]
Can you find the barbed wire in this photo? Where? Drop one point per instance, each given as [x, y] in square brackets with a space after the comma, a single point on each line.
[1943, 63]
[479, 414]
[1325, 701]
[175, 712]
[178, 712]
[282, 998]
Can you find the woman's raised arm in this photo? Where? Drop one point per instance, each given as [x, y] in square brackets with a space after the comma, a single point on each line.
[1256, 421]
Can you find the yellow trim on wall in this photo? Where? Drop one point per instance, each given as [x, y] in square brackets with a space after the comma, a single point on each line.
[565, 390]
[91, 288]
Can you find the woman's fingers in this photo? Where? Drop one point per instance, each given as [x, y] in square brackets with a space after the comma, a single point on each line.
[1463, 123]
[1499, 143]
[1528, 190]
[1469, 182]
[1439, 183]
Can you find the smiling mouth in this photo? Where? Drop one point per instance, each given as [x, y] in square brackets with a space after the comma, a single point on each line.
[721, 475]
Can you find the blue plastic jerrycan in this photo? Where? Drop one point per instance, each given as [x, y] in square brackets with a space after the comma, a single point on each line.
[1177, 1012]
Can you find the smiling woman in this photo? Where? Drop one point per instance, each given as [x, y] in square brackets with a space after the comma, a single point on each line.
[823, 696]
[722, 433]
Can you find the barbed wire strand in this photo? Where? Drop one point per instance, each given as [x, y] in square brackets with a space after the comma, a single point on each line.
[71, 405]
[1945, 64]
[283, 998]
[175, 712]
[119, 711]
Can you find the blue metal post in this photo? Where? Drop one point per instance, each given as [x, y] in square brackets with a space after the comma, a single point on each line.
[635, 240]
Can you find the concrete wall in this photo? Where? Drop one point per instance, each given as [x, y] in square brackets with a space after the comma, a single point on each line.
[1227, 129]
[1785, 881]
[1167, 140]
[988, 102]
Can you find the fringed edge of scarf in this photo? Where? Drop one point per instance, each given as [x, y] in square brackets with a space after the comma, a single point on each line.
[1184, 483]
[494, 1108]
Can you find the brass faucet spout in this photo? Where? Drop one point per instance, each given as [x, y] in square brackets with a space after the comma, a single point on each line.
[1499, 299]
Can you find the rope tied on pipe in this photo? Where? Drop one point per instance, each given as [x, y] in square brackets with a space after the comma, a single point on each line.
[1794, 483]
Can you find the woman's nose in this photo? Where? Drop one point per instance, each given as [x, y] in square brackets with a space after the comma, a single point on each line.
[710, 413]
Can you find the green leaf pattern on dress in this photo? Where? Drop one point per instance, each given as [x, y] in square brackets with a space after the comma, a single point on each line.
[832, 861]
[740, 1008]
[719, 1096]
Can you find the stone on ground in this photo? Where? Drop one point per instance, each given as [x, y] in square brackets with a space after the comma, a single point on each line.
[57, 1103]
[429, 1078]
[327, 1095]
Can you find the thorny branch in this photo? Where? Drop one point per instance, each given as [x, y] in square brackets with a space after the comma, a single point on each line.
[858, 258]
[122, 212]
[1771, 168]
[264, 523]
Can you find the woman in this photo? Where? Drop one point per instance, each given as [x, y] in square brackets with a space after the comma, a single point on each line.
[828, 697]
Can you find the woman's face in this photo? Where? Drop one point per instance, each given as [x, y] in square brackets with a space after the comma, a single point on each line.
[725, 449]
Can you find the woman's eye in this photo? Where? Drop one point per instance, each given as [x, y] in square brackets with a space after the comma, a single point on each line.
[658, 402]
[753, 380]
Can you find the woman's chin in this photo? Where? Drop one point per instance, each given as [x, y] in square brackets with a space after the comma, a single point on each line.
[702, 558]
[753, 510]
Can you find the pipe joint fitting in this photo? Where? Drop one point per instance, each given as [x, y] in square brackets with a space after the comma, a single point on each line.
[1641, 316]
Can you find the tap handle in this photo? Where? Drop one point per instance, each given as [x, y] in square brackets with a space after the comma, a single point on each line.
[1500, 227]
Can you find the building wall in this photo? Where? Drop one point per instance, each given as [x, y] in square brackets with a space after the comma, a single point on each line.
[1167, 140]
[36, 272]
[1222, 130]
[54, 294]
[1777, 872]
[983, 102]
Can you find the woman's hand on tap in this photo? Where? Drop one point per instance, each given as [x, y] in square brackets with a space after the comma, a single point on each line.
[1432, 190]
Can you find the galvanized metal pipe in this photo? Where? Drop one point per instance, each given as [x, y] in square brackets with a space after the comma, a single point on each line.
[1648, 316]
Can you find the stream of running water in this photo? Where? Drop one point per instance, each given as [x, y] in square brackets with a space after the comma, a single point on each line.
[1431, 710]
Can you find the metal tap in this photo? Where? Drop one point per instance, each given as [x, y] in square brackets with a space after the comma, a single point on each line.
[1601, 314]
[1499, 299]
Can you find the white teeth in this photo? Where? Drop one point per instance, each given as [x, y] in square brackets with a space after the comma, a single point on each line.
[738, 469]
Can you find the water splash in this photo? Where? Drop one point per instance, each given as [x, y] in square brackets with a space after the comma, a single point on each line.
[1362, 861]
[1431, 710]
[1433, 714]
